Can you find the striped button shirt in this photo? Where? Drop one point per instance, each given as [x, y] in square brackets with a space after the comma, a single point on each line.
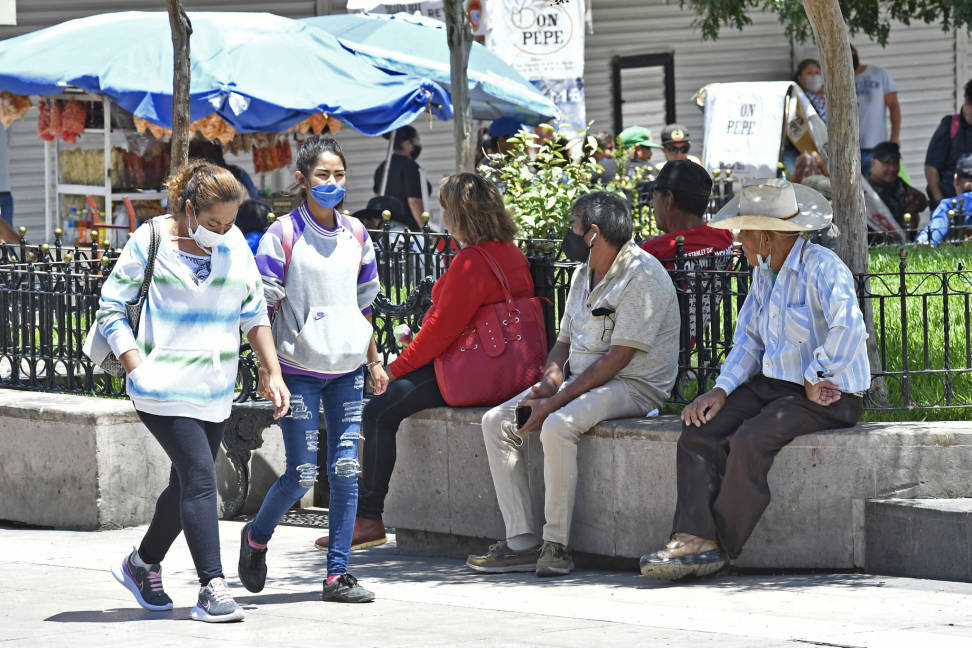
[805, 325]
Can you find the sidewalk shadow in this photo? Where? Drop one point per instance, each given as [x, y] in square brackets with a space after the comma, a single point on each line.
[118, 615]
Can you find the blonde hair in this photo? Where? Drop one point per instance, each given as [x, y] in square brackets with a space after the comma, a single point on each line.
[203, 183]
[476, 210]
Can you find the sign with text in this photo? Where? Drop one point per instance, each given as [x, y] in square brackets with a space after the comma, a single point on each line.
[545, 43]
[744, 127]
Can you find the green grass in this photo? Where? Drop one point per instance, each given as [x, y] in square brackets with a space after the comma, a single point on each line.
[934, 331]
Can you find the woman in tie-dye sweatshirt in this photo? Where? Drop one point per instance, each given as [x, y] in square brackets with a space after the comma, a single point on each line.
[182, 365]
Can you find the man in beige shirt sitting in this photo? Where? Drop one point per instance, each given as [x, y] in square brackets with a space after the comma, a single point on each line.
[616, 356]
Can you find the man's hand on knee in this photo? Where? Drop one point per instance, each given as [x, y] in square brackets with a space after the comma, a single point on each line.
[704, 408]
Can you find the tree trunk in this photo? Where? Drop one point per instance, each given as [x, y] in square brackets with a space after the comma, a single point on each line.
[460, 42]
[181, 30]
[843, 131]
[843, 135]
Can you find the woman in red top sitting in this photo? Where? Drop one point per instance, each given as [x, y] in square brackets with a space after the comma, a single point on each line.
[475, 215]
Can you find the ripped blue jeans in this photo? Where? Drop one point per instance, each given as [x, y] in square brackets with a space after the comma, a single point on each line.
[342, 412]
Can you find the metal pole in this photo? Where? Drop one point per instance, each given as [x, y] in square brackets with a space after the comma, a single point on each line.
[384, 177]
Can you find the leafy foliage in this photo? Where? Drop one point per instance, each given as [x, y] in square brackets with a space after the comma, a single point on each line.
[540, 178]
[869, 17]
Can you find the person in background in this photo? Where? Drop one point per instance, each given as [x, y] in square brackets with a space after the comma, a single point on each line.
[940, 223]
[604, 156]
[253, 219]
[951, 140]
[676, 143]
[619, 332]
[798, 364]
[680, 196]
[638, 139]
[899, 197]
[6, 198]
[370, 216]
[810, 80]
[406, 181]
[475, 216]
[807, 164]
[181, 369]
[875, 91]
[321, 290]
[501, 130]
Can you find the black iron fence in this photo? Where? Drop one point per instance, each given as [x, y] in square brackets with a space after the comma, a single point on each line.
[922, 335]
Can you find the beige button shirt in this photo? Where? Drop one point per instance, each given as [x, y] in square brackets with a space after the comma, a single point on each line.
[645, 317]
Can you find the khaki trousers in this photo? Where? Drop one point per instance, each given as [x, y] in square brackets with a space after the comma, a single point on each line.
[558, 436]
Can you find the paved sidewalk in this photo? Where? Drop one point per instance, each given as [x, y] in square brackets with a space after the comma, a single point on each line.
[56, 590]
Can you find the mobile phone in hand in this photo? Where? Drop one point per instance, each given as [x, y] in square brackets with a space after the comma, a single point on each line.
[522, 415]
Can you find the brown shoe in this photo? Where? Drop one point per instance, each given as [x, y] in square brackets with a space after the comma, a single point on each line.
[685, 556]
[367, 533]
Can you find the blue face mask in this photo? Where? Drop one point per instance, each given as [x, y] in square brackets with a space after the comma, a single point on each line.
[764, 264]
[328, 195]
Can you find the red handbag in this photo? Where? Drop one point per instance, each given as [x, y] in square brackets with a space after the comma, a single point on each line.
[499, 353]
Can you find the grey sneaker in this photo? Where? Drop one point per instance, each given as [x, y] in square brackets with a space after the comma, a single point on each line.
[554, 560]
[501, 559]
[216, 604]
[345, 589]
[144, 583]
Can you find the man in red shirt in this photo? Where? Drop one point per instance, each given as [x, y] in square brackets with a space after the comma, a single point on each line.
[680, 196]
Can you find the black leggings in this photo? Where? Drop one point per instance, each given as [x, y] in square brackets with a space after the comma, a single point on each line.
[379, 423]
[188, 503]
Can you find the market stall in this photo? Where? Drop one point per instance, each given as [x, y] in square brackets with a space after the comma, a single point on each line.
[257, 82]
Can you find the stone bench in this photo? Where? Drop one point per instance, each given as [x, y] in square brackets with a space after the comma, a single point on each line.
[442, 501]
[88, 463]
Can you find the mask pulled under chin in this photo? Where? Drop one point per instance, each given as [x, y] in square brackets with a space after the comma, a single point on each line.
[328, 196]
[575, 248]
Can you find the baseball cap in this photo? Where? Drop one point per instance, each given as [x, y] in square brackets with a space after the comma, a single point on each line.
[886, 151]
[504, 127]
[637, 136]
[675, 134]
[683, 176]
[963, 166]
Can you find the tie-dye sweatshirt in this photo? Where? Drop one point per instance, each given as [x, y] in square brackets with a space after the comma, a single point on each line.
[189, 333]
[322, 296]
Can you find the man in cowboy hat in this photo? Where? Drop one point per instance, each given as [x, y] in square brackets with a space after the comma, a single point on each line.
[798, 365]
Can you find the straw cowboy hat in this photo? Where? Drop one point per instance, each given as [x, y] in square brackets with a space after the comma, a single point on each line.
[776, 205]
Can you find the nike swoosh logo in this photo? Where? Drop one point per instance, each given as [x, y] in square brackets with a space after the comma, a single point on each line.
[319, 316]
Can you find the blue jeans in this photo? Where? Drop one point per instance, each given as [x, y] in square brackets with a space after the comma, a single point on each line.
[342, 412]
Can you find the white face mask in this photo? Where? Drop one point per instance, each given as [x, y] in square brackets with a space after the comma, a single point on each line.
[205, 238]
[815, 83]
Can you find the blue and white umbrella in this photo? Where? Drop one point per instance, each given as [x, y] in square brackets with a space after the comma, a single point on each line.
[417, 46]
[258, 71]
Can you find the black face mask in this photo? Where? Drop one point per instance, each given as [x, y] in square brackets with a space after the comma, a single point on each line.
[416, 150]
[855, 61]
[575, 248]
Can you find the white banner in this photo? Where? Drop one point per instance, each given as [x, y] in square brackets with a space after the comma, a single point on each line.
[429, 9]
[545, 43]
[744, 127]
